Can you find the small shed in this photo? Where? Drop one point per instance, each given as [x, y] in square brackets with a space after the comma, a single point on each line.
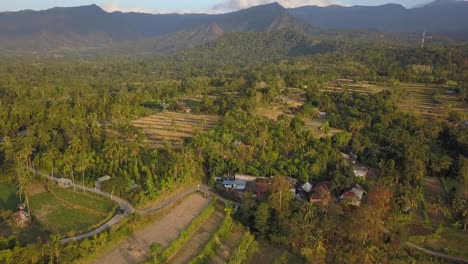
[322, 114]
[99, 181]
[360, 171]
[64, 183]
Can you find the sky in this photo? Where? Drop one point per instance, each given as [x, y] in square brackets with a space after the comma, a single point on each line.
[185, 6]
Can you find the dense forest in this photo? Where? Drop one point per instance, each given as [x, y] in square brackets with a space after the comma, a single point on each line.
[72, 117]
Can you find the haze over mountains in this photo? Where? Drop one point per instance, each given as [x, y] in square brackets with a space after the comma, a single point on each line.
[89, 27]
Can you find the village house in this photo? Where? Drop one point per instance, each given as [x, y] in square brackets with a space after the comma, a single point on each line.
[238, 185]
[64, 183]
[354, 196]
[320, 193]
[322, 114]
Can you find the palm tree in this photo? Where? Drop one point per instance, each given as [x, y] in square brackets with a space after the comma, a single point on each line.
[84, 162]
[229, 209]
[437, 203]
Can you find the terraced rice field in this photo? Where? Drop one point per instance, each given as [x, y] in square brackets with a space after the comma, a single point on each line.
[171, 128]
[228, 246]
[426, 100]
[196, 243]
[135, 249]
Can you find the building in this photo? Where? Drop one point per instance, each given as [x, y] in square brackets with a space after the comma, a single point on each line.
[245, 177]
[64, 183]
[360, 171]
[320, 193]
[99, 181]
[235, 184]
[354, 196]
[306, 187]
[322, 115]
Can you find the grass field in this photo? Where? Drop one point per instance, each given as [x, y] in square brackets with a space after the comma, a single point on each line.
[8, 198]
[66, 211]
[171, 128]
[417, 98]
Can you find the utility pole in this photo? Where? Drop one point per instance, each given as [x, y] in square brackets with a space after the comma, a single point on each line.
[423, 39]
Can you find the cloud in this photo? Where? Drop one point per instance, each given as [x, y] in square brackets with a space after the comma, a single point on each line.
[231, 5]
[114, 6]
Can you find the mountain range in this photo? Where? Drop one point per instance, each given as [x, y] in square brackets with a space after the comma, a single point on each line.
[90, 27]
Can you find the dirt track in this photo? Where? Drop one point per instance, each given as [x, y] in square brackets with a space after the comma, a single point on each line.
[136, 247]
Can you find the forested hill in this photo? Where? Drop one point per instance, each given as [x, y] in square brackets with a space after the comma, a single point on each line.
[246, 48]
[91, 27]
[442, 17]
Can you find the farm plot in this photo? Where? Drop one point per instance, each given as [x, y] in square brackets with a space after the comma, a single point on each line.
[171, 128]
[316, 125]
[200, 238]
[225, 250]
[136, 248]
[282, 104]
[68, 212]
[418, 98]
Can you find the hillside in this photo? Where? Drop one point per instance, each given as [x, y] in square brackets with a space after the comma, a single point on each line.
[243, 48]
[440, 17]
[89, 27]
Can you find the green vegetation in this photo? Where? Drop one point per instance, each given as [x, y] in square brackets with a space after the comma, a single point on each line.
[245, 250]
[82, 118]
[63, 211]
[8, 198]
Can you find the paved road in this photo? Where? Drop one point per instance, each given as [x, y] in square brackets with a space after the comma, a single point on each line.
[437, 254]
[128, 208]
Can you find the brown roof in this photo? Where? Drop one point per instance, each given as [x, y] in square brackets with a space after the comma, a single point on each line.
[321, 184]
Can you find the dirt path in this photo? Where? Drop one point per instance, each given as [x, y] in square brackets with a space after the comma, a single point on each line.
[437, 254]
[230, 244]
[136, 247]
[193, 247]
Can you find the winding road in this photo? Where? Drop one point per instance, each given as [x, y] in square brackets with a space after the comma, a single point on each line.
[128, 207]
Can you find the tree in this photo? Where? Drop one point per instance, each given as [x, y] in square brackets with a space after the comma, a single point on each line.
[437, 204]
[280, 195]
[262, 217]
[228, 209]
[463, 174]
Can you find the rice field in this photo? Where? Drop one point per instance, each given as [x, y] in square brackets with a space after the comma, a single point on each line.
[426, 100]
[170, 129]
